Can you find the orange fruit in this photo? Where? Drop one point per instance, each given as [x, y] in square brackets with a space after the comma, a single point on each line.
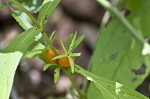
[64, 61]
[50, 55]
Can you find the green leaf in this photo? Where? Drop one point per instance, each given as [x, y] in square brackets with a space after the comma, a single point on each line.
[22, 41]
[57, 74]
[35, 49]
[118, 51]
[65, 55]
[110, 89]
[46, 66]
[118, 57]
[59, 56]
[71, 63]
[133, 5]
[46, 10]
[78, 41]
[63, 45]
[52, 37]
[75, 54]
[42, 56]
[10, 58]
[69, 41]
[8, 65]
[72, 43]
[23, 19]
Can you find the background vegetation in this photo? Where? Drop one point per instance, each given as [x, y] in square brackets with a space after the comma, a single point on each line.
[120, 56]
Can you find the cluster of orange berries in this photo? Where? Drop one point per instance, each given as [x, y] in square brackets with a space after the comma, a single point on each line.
[64, 61]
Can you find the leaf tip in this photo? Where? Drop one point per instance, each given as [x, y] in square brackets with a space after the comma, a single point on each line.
[89, 78]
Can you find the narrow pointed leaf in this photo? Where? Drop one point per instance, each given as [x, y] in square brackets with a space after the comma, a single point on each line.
[46, 66]
[75, 54]
[71, 63]
[63, 46]
[59, 56]
[57, 74]
[22, 41]
[72, 42]
[78, 41]
[52, 37]
[46, 10]
[69, 41]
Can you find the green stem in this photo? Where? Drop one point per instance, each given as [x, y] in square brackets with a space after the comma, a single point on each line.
[122, 19]
[74, 85]
[49, 43]
[20, 7]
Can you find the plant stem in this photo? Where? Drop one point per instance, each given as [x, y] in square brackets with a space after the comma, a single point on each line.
[122, 19]
[20, 7]
[49, 43]
[74, 85]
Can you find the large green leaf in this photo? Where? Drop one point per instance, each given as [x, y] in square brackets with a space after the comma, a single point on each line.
[110, 89]
[22, 41]
[10, 58]
[46, 10]
[8, 65]
[118, 57]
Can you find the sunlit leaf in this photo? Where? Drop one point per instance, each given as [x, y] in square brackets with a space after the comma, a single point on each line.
[8, 65]
[75, 54]
[23, 20]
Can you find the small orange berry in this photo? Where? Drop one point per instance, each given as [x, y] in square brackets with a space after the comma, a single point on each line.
[50, 55]
[64, 61]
